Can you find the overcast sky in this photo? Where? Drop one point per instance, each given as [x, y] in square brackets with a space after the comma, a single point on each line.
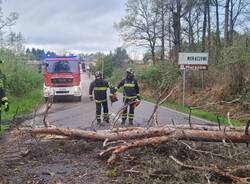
[60, 25]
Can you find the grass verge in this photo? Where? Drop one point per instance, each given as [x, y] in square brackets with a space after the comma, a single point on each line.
[3, 128]
[199, 113]
[24, 104]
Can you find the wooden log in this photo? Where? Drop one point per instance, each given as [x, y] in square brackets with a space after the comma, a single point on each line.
[213, 135]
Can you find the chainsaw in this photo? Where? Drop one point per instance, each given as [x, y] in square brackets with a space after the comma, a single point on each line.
[113, 95]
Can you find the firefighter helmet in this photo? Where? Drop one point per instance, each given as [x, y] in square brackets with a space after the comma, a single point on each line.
[98, 75]
[130, 70]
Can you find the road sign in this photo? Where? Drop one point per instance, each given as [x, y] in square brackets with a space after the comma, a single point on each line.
[193, 61]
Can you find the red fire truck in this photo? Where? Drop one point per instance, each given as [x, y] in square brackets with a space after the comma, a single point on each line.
[62, 77]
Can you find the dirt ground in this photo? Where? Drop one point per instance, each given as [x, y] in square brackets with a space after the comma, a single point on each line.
[33, 161]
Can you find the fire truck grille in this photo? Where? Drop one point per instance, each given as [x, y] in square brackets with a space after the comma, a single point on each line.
[61, 80]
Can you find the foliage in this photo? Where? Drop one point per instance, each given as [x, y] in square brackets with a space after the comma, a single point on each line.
[20, 77]
[111, 173]
[24, 104]
[235, 62]
[157, 76]
[39, 54]
[120, 56]
[108, 66]
[111, 61]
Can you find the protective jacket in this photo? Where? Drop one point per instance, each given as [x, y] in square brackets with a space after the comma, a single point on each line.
[3, 98]
[130, 88]
[99, 86]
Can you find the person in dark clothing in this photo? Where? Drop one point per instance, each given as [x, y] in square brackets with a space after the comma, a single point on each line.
[4, 100]
[130, 95]
[99, 86]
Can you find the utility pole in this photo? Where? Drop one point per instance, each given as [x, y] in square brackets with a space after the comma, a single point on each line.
[102, 65]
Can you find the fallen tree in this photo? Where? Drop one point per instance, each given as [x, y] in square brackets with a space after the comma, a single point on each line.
[119, 140]
[139, 136]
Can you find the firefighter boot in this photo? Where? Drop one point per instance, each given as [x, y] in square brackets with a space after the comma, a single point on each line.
[123, 122]
[98, 122]
[106, 120]
[130, 122]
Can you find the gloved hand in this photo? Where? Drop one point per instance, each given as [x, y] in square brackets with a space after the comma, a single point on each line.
[139, 97]
[91, 98]
[6, 106]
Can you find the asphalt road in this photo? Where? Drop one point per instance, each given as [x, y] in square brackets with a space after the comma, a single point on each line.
[81, 114]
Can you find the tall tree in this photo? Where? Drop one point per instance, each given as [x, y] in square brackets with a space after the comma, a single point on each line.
[120, 56]
[139, 26]
[176, 14]
[204, 28]
[218, 42]
[226, 20]
[239, 9]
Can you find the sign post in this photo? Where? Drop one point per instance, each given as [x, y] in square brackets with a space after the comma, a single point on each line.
[191, 61]
[183, 87]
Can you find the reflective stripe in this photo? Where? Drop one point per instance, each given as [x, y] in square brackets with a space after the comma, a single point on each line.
[131, 97]
[105, 114]
[100, 101]
[131, 115]
[129, 85]
[4, 99]
[100, 88]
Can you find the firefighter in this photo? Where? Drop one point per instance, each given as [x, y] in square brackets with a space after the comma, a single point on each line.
[100, 86]
[131, 96]
[4, 100]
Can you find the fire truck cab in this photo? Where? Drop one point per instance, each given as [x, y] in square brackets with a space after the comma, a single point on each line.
[62, 77]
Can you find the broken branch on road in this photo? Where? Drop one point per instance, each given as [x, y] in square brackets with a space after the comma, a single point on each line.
[119, 142]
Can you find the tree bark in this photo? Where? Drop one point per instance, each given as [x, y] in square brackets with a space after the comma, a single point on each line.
[198, 133]
[226, 34]
[177, 29]
[208, 26]
[204, 28]
[162, 31]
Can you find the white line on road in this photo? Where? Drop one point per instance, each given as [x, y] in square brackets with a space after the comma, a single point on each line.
[172, 110]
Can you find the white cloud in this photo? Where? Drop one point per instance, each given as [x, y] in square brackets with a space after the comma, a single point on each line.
[85, 25]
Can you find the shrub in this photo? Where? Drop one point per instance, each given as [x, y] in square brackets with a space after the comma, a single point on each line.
[20, 77]
[158, 76]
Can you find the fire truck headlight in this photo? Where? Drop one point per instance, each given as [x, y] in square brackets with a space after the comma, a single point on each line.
[77, 89]
[46, 90]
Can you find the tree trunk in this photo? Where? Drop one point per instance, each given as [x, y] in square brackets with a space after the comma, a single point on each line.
[208, 26]
[163, 31]
[217, 24]
[197, 133]
[190, 30]
[230, 34]
[204, 28]
[177, 29]
[226, 36]
[218, 41]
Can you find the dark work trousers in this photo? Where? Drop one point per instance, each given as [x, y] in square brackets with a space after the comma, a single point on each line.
[131, 111]
[99, 106]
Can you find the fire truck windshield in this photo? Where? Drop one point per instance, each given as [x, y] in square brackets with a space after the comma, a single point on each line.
[62, 66]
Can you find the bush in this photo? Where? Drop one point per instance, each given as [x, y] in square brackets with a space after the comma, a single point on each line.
[20, 77]
[108, 65]
[23, 80]
[236, 62]
[158, 76]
